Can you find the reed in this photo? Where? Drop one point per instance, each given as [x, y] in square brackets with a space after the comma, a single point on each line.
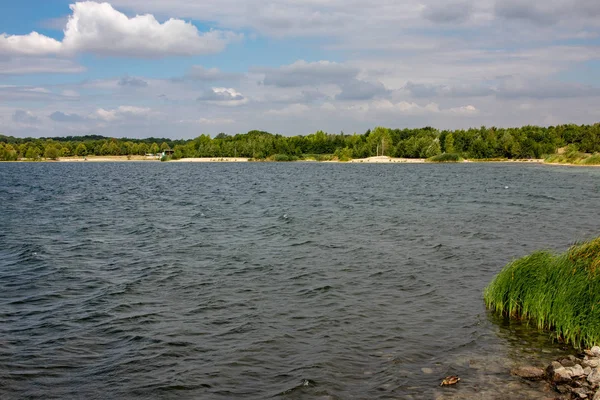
[557, 292]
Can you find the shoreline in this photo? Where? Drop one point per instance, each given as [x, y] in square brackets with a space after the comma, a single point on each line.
[368, 160]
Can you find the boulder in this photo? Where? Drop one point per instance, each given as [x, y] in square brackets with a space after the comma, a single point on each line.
[577, 371]
[594, 377]
[567, 362]
[530, 373]
[558, 374]
[590, 362]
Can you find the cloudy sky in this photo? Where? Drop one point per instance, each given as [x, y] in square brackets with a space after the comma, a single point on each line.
[180, 68]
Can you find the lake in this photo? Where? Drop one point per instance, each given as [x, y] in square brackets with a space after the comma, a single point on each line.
[273, 280]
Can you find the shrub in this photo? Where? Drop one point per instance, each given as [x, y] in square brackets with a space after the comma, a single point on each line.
[446, 158]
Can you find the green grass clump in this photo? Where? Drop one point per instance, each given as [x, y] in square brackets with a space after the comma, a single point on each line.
[594, 159]
[446, 158]
[558, 292]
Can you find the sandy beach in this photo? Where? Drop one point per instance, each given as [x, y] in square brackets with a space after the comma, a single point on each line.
[212, 159]
[386, 159]
[108, 159]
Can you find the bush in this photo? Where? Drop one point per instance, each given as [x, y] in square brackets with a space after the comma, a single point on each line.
[283, 158]
[446, 158]
[558, 292]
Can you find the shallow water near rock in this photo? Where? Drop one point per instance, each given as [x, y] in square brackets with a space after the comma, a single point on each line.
[291, 281]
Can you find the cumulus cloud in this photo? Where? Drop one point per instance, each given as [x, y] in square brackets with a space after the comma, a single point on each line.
[99, 28]
[225, 96]
[132, 82]
[302, 73]
[121, 112]
[24, 117]
[59, 116]
[362, 90]
[32, 44]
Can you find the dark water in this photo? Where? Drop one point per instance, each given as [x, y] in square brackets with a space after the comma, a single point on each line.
[286, 281]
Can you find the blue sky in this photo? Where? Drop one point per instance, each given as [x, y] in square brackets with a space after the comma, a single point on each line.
[181, 68]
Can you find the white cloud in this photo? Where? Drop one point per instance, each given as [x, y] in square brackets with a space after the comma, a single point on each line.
[99, 28]
[32, 44]
[463, 110]
[223, 96]
[122, 112]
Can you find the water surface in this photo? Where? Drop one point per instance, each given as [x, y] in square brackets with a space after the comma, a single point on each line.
[286, 281]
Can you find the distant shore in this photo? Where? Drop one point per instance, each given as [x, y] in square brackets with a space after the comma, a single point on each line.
[368, 160]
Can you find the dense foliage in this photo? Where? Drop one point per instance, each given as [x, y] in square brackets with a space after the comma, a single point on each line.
[557, 292]
[474, 143]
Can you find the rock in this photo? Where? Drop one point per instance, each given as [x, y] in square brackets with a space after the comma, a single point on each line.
[531, 373]
[577, 371]
[427, 371]
[593, 352]
[590, 362]
[581, 393]
[557, 373]
[596, 396]
[587, 371]
[567, 362]
[563, 389]
[561, 375]
[594, 377]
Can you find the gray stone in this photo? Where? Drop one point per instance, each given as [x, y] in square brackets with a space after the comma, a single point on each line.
[581, 393]
[590, 362]
[587, 371]
[531, 373]
[563, 389]
[596, 396]
[594, 377]
[567, 362]
[577, 371]
[560, 375]
[595, 351]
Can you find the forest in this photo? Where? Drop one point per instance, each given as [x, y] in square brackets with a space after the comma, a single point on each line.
[526, 142]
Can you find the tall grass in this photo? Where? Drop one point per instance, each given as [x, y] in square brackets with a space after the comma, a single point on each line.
[560, 293]
[445, 158]
[574, 157]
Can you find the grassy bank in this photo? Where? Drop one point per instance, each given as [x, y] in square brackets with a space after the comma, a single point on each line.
[558, 292]
[571, 155]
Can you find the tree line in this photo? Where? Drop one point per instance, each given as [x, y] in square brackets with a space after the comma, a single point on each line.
[475, 143]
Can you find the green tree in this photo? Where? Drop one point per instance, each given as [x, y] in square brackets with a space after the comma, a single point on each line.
[449, 143]
[51, 152]
[33, 153]
[81, 150]
[154, 148]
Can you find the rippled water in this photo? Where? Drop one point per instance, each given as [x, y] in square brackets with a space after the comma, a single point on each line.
[255, 281]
